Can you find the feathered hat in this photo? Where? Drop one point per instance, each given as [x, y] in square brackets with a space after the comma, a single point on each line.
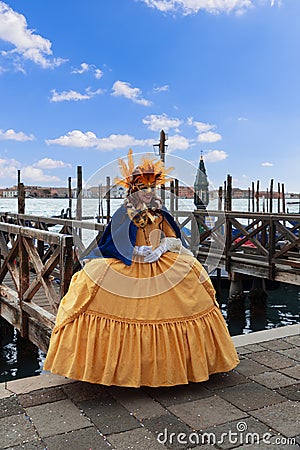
[149, 173]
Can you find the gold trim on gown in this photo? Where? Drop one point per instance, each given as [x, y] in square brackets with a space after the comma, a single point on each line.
[146, 324]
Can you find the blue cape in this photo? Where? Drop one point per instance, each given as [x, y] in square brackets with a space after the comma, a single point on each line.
[119, 237]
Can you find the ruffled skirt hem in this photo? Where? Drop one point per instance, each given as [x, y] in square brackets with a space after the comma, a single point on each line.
[111, 351]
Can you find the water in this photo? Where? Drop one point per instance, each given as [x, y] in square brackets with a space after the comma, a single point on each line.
[19, 359]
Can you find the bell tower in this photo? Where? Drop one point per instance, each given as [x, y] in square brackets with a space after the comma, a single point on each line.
[201, 194]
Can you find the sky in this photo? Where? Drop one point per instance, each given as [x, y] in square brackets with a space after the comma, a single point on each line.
[82, 82]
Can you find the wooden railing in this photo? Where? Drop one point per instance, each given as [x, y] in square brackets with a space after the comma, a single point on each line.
[36, 269]
[261, 244]
[37, 264]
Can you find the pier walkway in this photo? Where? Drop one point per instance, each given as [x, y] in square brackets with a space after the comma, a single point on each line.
[254, 407]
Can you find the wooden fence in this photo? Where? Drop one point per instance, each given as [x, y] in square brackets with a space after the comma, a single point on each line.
[36, 269]
[262, 245]
[37, 264]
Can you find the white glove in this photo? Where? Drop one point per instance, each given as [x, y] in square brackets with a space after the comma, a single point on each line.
[154, 255]
[141, 250]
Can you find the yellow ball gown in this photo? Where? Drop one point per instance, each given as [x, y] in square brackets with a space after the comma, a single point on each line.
[142, 324]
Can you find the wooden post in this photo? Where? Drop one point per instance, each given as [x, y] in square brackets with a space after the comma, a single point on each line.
[176, 193]
[79, 194]
[249, 199]
[278, 200]
[283, 198]
[220, 198]
[162, 153]
[257, 196]
[229, 193]
[252, 196]
[258, 297]
[218, 286]
[271, 196]
[272, 242]
[172, 197]
[100, 205]
[24, 284]
[66, 264]
[236, 298]
[70, 196]
[228, 223]
[21, 199]
[79, 199]
[107, 199]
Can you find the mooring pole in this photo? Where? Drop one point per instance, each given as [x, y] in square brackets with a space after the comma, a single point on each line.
[21, 199]
[162, 154]
[79, 194]
[79, 198]
[107, 199]
[70, 196]
[21, 195]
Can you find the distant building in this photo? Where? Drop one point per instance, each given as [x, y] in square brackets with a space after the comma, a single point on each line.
[118, 191]
[9, 192]
[59, 192]
[185, 192]
[201, 195]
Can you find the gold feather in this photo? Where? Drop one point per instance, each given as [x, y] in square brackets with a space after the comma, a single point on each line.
[149, 171]
[130, 161]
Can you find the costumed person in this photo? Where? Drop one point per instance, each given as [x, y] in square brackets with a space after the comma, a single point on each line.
[142, 311]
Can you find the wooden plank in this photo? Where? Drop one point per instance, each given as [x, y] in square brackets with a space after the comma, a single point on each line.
[7, 266]
[39, 335]
[39, 313]
[66, 264]
[45, 272]
[46, 283]
[9, 306]
[47, 236]
[23, 283]
[249, 236]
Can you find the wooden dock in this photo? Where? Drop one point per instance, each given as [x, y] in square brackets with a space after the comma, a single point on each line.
[37, 264]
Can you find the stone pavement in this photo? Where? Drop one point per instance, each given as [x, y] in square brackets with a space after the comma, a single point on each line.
[254, 407]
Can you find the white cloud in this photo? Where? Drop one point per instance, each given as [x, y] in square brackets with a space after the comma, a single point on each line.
[75, 138]
[158, 122]
[158, 89]
[124, 89]
[267, 164]
[242, 119]
[201, 127]
[215, 156]
[115, 141]
[194, 6]
[12, 135]
[204, 130]
[8, 169]
[273, 2]
[25, 42]
[178, 142]
[32, 174]
[209, 136]
[85, 67]
[73, 95]
[48, 163]
[98, 74]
